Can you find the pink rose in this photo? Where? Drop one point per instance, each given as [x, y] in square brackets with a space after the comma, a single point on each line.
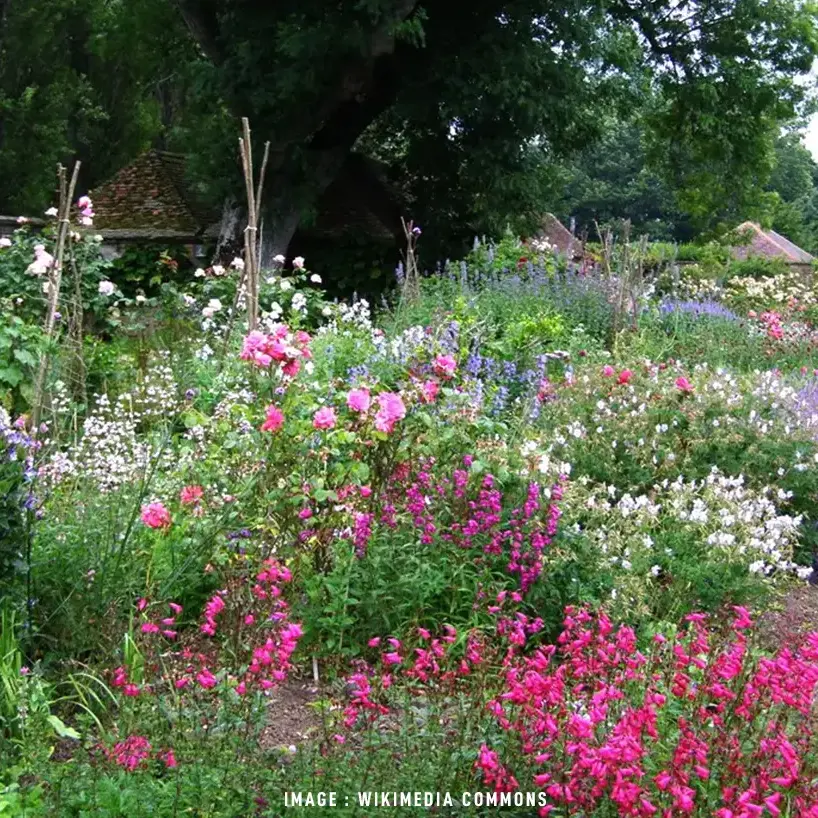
[624, 377]
[358, 400]
[608, 371]
[274, 420]
[390, 412]
[324, 418]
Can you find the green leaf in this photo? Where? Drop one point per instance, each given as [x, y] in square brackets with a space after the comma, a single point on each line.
[62, 729]
[25, 357]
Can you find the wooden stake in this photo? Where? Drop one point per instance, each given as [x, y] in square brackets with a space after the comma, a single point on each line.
[54, 280]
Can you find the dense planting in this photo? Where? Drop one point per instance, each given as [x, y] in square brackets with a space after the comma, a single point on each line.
[508, 535]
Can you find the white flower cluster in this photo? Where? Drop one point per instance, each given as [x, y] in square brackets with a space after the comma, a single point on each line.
[730, 521]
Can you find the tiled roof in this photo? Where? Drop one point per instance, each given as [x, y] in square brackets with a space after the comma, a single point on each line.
[150, 198]
[559, 236]
[770, 244]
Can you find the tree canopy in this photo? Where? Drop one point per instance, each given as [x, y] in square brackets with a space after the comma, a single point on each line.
[471, 104]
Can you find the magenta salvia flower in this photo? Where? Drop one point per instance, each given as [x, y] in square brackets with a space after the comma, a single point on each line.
[131, 752]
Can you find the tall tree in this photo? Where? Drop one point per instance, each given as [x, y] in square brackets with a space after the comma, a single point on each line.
[88, 79]
[471, 87]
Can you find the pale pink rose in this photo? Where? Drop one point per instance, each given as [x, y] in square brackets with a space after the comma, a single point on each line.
[358, 400]
[324, 418]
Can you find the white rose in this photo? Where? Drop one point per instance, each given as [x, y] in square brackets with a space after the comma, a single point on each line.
[298, 262]
[214, 304]
[286, 285]
[5, 242]
[200, 273]
[52, 211]
[279, 259]
[218, 270]
[315, 278]
[238, 263]
[106, 288]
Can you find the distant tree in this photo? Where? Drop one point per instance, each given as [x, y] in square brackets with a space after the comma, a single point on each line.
[87, 79]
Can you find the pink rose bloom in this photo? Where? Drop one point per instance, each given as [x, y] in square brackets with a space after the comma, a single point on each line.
[155, 515]
[305, 513]
[324, 418]
[358, 400]
[608, 371]
[624, 377]
[274, 420]
[445, 366]
[428, 391]
[390, 412]
[366, 491]
[684, 384]
[190, 495]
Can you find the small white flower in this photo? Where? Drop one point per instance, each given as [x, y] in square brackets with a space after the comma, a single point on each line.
[200, 273]
[140, 299]
[189, 300]
[218, 270]
[106, 288]
[52, 211]
[98, 238]
[286, 285]
[315, 278]
[238, 263]
[86, 221]
[5, 242]
[327, 311]
[279, 259]
[298, 262]
[656, 570]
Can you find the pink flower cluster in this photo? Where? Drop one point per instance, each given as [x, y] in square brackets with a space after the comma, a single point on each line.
[270, 659]
[696, 727]
[479, 520]
[286, 348]
[391, 409]
[132, 752]
[772, 324]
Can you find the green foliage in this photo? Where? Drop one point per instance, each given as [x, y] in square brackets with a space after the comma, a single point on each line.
[21, 346]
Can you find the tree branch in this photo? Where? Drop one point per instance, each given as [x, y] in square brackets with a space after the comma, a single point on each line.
[202, 21]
